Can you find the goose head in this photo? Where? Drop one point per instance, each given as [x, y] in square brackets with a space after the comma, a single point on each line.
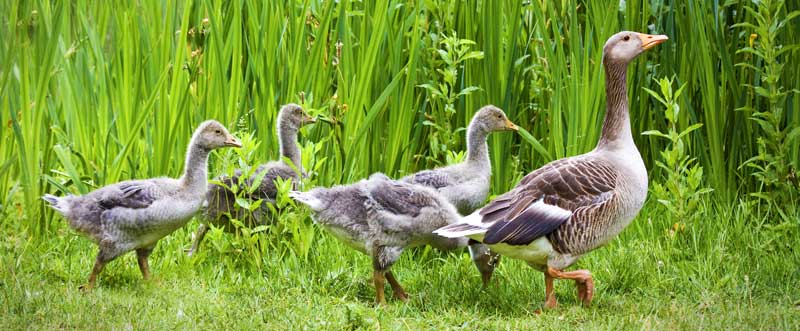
[292, 117]
[490, 118]
[627, 45]
[212, 135]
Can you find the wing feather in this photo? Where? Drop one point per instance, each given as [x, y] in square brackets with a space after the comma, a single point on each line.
[130, 194]
[430, 178]
[546, 198]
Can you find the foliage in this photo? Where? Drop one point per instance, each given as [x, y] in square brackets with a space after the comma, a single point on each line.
[444, 93]
[775, 171]
[682, 189]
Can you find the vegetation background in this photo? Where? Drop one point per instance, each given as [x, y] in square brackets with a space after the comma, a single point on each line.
[94, 93]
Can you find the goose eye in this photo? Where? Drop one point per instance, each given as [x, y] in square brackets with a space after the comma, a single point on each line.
[499, 116]
[626, 38]
[218, 131]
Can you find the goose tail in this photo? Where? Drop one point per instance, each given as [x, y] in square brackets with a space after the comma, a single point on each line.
[467, 226]
[308, 199]
[58, 203]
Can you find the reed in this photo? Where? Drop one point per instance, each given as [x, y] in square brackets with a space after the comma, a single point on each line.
[95, 94]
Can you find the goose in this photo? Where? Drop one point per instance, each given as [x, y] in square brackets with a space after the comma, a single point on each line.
[466, 184]
[381, 217]
[221, 201]
[571, 206]
[135, 214]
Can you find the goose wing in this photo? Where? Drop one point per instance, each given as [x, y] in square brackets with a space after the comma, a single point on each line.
[547, 198]
[130, 194]
[430, 178]
[396, 205]
[267, 189]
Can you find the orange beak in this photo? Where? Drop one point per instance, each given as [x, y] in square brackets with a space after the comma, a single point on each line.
[649, 41]
[232, 142]
[511, 126]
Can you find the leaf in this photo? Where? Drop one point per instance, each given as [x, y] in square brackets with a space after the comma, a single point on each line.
[243, 203]
[467, 90]
[655, 95]
[690, 129]
[655, 133]
[473, 55]
[258, 179]
[535, 143]
[66, 161]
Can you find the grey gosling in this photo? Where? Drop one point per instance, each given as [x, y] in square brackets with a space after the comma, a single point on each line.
[466, 184]
[381, 217]
[221, 201]
[135, 214]
[574, 205]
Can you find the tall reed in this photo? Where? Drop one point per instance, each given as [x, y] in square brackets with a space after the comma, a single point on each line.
[95, 94]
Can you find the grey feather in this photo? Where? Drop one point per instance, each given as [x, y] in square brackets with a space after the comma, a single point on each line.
[380, 212]
[221, 201]
[135, 214]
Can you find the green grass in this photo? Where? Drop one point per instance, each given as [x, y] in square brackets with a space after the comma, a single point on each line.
[647, 279]
[91, 95]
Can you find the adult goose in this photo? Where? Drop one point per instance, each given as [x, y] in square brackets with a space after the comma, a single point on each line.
[381, 217]
[135, 214]
[220, 199]
[466, 184]
[571, 206]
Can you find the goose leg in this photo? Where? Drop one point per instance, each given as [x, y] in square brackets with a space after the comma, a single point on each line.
[98, 267]
[382, 259]
[397, 290]
[583, 281]
[198, 237]
[142, 254]
[378, 280]
[549, 297]
[104, 255]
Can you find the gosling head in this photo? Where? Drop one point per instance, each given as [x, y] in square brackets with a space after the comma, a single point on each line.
[627, 45]
[293, 117]
[490, 118]
[212, 135]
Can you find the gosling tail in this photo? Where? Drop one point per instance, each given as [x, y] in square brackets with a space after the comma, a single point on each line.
[308, 199]
[58, 203]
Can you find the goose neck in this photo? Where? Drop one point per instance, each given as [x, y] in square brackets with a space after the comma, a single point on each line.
[195, 173]
[477, 149]
[616, 130]
[287, 139]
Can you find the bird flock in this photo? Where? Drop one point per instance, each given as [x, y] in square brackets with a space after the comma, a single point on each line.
[551, 218]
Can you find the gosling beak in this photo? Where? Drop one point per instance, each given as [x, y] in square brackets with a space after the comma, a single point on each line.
[649, 41]
[308, 119]
[511, 126]
[232, 142]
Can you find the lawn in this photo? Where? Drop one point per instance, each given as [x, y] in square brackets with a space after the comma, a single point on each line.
[718, 274]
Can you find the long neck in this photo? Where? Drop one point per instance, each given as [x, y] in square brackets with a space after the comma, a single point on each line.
[195, 172]
[616, 131]
[477, 150]
[287, 138]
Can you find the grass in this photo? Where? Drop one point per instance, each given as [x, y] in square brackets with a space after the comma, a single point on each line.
[649, 278]
[91, 95]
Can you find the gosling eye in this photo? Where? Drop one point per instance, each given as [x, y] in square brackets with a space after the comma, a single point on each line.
[218, 131]
[499, 116]
[626, 38]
